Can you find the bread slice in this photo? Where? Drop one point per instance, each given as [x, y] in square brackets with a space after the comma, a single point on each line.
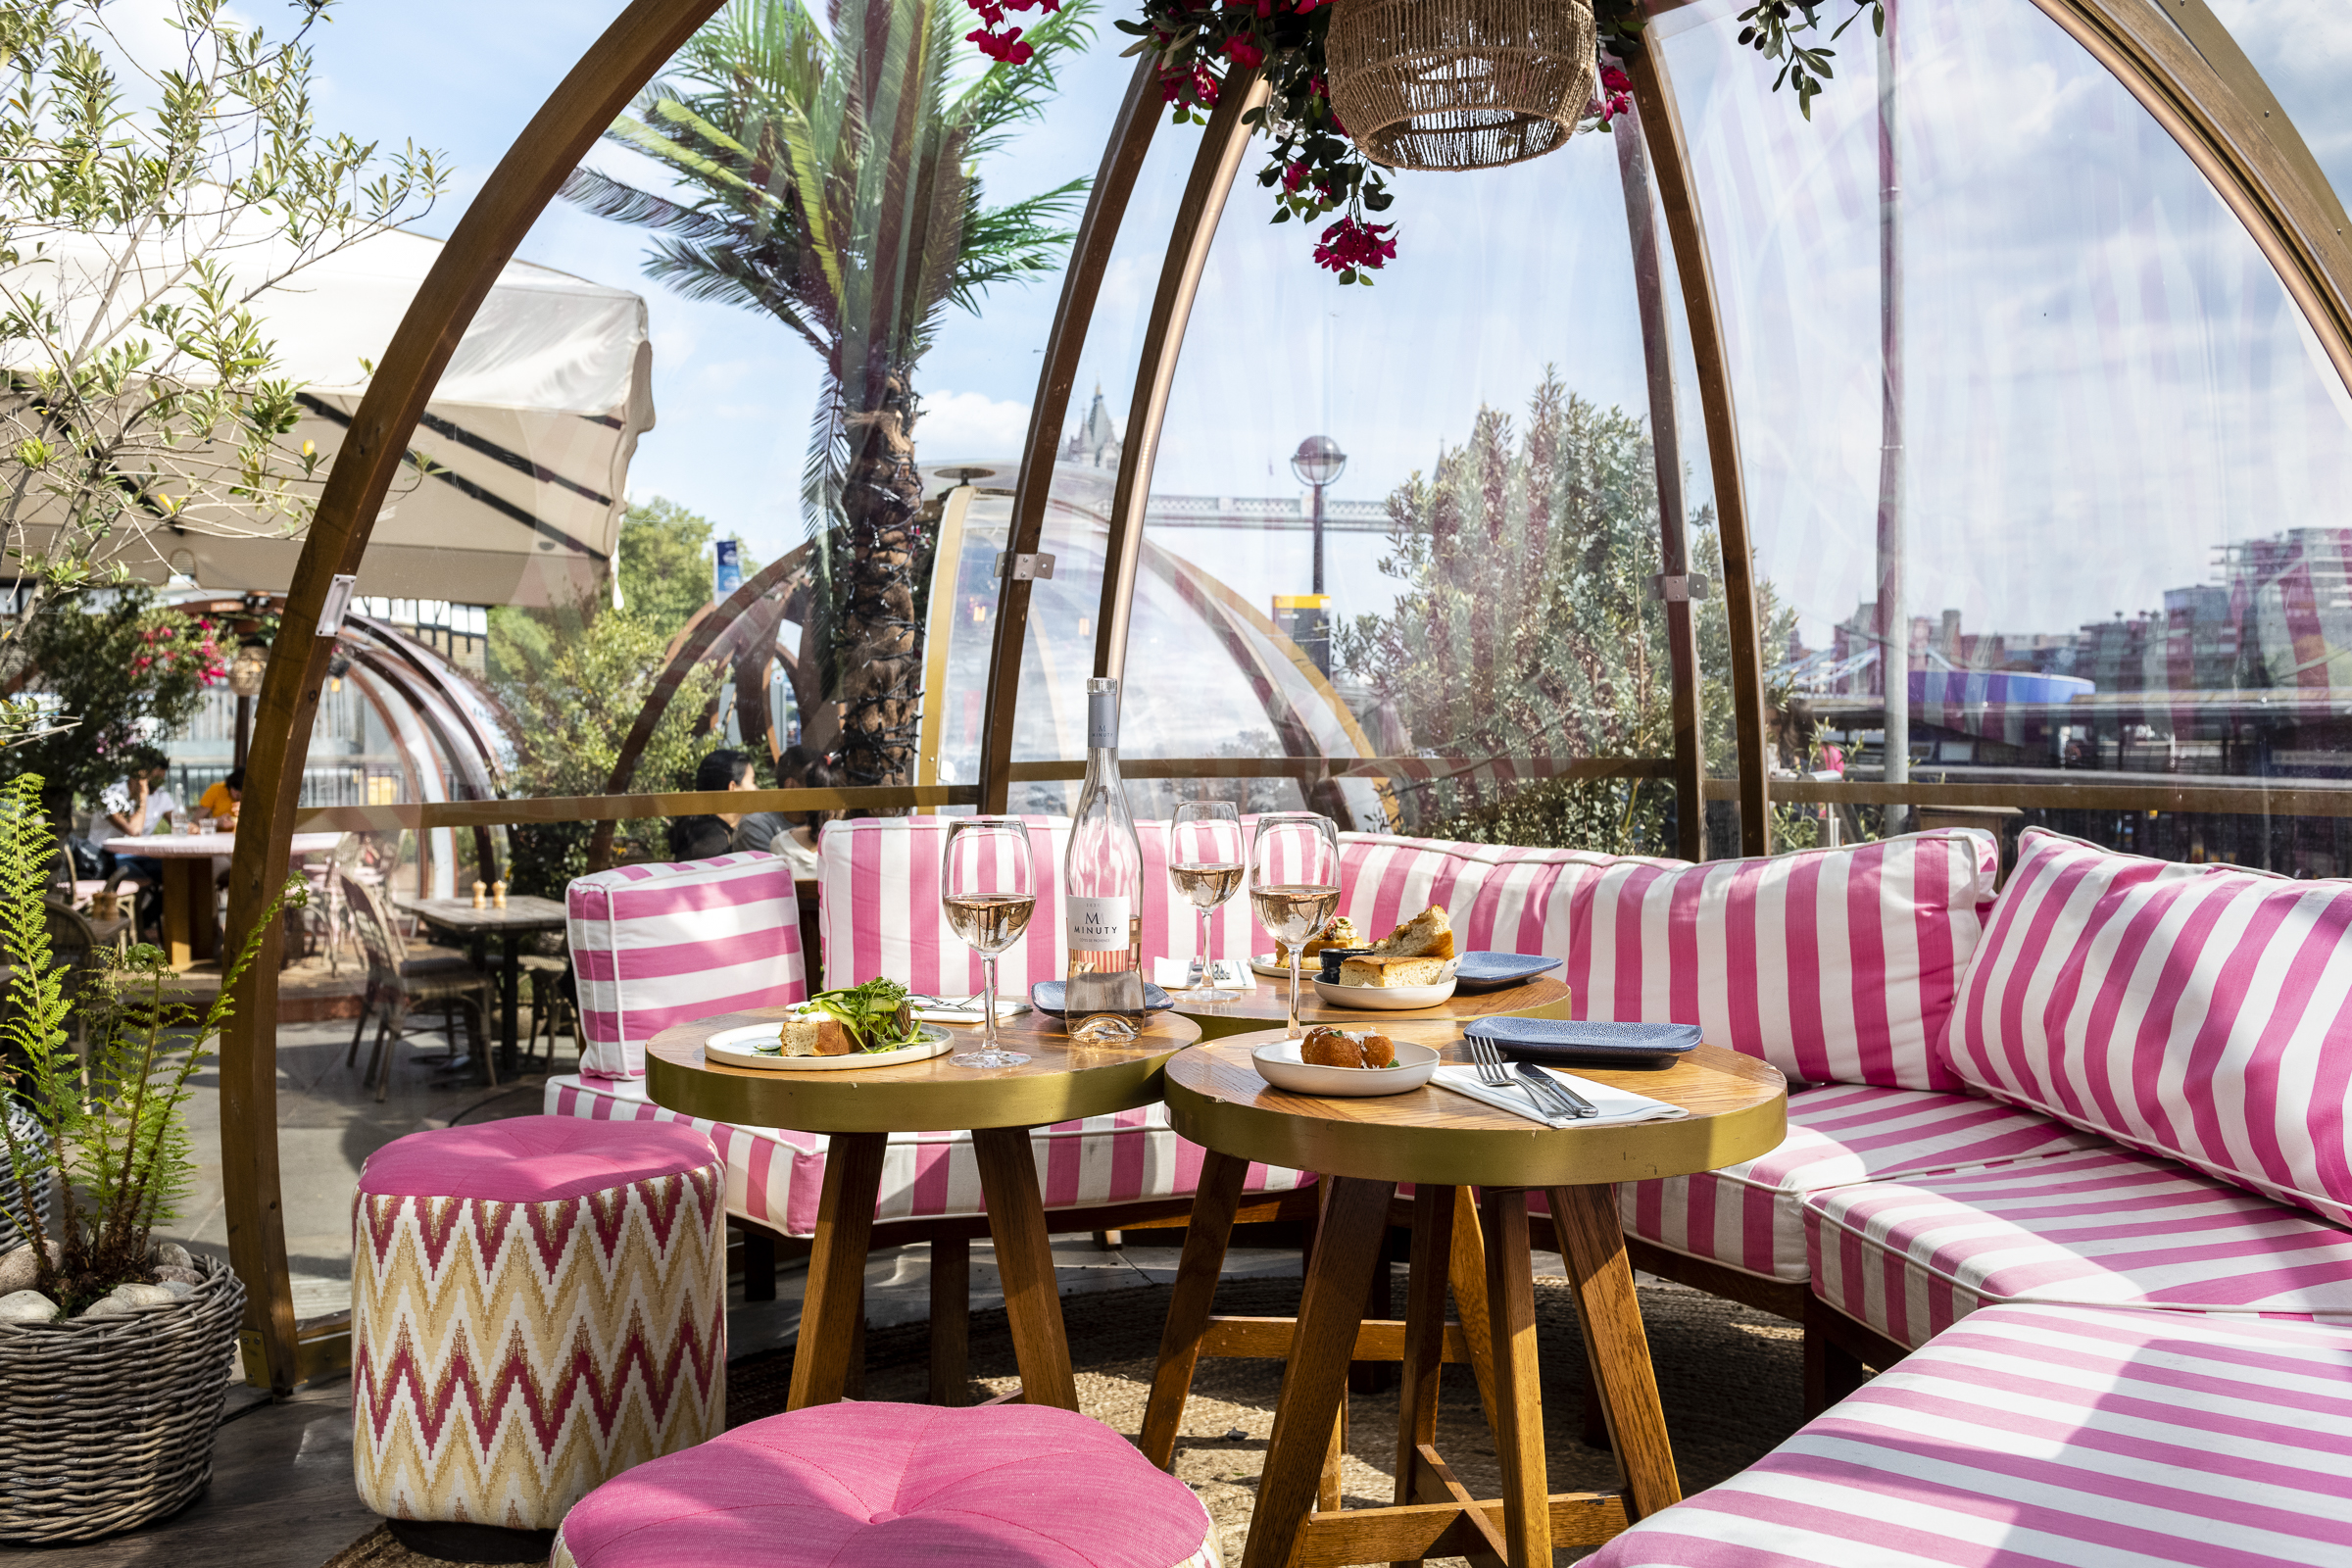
[1381, 969]
[1427, 935]
[817, 1034]
[1339, 932]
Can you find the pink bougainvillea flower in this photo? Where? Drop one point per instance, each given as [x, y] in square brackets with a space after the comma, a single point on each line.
[1352, 244]
[1003, 47]
[1244, 54]
[1294, 175]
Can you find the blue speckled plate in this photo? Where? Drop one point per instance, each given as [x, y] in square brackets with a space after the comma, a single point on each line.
[1485, 971]
[1570, 1042]
[1046, 997]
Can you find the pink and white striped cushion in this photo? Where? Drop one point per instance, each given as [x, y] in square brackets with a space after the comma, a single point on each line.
[1835, 965]
[1750, 1216]
[2038, 1436]
[2200, 1011]
[659, 945]
[775, 1175]
[879, 913]
[2096, 1226]
[1498, 898]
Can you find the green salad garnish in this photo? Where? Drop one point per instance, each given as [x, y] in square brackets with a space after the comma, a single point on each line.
[870, 1014]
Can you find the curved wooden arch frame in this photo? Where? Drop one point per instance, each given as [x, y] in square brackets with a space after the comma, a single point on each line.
[639, 42]
[2136, 42]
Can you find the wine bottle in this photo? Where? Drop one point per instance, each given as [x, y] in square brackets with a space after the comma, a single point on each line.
[1102, 879]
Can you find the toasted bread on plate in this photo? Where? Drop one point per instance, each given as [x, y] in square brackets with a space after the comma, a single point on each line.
[1427, 935]
[1375, 970]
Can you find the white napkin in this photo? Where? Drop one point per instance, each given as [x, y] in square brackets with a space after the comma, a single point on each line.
[1616, 1106]
[1226, 974]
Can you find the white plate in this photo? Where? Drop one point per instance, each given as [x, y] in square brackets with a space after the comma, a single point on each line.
[1279, 1066]
[1273, 968]
[738, 1048]
[1386, 998]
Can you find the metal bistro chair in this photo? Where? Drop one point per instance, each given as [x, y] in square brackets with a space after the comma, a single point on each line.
[553, 1012]
[395, 986]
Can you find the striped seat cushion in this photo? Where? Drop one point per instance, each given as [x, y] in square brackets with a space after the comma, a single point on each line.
[1750, 1216]
[775, 1175]
[2198, 1011]
[1835, 965]
[2097, 1226]
[654, 945]
[2038, 1436]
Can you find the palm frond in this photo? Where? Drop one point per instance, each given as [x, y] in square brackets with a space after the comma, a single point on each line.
[1008, 97]
[1015, 242]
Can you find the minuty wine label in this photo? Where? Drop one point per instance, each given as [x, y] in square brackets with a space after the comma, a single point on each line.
[1097, 925]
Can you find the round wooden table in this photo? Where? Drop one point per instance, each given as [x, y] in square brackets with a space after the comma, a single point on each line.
[858, 1109]
[1446, 1143]
[1544, 996]
[191, 932]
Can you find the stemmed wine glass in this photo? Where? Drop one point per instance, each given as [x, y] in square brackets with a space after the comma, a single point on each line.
[1204, 861]
[1295, 883]
[988, 886]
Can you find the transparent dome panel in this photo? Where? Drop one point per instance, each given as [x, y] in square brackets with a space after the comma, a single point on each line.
[2303, 51]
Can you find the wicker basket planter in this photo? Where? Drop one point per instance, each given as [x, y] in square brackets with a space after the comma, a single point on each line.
[107, 1424]
[1460, 83]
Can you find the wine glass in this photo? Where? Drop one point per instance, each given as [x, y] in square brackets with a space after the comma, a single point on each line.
[988, 886]
[1204, 861]
[1295, 883]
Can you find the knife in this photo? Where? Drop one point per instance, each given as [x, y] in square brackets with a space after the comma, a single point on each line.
[1576, 1104]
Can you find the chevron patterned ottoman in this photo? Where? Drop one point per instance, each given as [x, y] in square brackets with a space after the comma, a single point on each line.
[537, 1304]
[1012, 1486]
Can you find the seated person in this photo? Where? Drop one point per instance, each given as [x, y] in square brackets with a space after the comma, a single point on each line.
[797, 841]
[221, 799]
[758, 830]
[134, 806]
[700, 837]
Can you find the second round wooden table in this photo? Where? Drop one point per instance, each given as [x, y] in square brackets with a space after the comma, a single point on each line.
[1246, 1011]
[1446, 1143]
[858, 1109]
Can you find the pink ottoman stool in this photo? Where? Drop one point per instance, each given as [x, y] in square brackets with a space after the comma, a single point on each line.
[1011, 1486]
[537, 1304]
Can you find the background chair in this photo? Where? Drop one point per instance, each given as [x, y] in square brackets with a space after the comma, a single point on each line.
[395, 986]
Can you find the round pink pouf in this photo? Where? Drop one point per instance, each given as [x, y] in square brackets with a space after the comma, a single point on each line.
[537, 1304]
[1011, 1486]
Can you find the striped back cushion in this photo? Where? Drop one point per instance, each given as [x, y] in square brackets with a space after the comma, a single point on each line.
[878, 895]
[2198, 1011]
[659, 945]
[1835, 965]
[1499, 899]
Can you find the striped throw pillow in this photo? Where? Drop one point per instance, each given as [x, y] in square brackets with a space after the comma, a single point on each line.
[1835, 965]
[2199, 1011]
[660, 945]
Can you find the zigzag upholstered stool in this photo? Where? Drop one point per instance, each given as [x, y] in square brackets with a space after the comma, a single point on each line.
[1012, 1486]
[537, 1304]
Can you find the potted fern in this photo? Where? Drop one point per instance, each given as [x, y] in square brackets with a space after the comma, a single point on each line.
[115, 1354]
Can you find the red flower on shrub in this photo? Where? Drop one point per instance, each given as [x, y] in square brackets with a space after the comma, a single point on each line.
[1244, 54]
[1352, 245]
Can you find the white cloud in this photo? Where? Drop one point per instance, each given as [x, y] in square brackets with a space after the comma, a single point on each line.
[970, 424]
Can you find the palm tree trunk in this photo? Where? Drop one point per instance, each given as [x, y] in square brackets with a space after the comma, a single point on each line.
[878, 642]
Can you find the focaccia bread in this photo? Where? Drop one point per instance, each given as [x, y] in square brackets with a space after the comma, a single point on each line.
[1378, 969]
[814, 1034]
[1427, 935]
[1343, 1047]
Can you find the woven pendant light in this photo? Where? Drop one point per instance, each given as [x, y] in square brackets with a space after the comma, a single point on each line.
[1460, 83]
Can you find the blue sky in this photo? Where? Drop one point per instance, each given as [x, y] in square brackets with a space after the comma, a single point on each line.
[2104, 384]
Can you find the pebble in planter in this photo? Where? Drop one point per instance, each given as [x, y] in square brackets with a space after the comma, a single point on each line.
[107, 1407]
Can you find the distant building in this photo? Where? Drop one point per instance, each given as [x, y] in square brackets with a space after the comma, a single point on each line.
[1095, 440]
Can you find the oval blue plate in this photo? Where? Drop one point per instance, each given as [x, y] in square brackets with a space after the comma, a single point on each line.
[1484, 971]
[1047, 997]
[1570, 1042]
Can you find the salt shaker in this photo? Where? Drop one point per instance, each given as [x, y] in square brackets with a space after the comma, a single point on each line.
[497, 894]
[480, 887]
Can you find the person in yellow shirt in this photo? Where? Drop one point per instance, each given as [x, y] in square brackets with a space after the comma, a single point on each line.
[220, 801]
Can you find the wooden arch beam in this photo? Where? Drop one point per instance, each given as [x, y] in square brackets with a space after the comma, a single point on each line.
[638, 43]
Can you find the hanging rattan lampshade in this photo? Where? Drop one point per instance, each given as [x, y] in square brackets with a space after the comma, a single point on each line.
[1460, 83]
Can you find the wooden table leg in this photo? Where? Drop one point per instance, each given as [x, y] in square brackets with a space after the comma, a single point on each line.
[1205, 1237]
[845, 1225]
[1355, 1219]
[1016, 1222]
[950, 1319]
[1469, 1281]
[179, 906]
[509, 1000]
[1518, 1388]
[1421, 1476]
[1593, 1248]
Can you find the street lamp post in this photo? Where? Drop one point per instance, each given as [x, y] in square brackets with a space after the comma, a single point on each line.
[1318, 462]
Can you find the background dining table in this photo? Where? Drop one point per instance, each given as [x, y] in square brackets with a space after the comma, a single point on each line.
[191, 920]
[523, 914]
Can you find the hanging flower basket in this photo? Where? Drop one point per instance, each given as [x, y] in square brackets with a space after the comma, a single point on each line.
[1460, 83]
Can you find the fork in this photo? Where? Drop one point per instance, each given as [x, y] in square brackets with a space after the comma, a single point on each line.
[1494, 1075]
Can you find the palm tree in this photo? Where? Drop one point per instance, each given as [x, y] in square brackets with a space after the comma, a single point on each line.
[828, 175]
